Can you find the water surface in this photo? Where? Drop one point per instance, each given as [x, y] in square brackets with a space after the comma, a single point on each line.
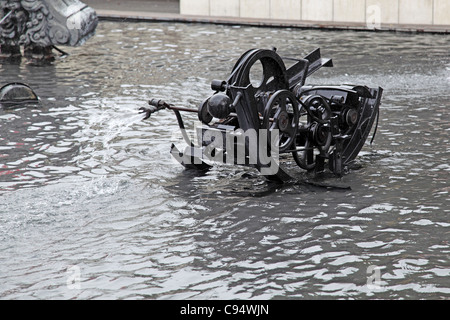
[88, 189]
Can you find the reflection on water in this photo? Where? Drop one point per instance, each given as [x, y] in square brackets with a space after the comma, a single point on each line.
[84, 182]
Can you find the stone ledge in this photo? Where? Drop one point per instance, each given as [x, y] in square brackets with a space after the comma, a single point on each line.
[330, 25]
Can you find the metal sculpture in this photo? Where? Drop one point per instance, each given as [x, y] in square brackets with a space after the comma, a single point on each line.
[40, 25]
[17, 93]
[268, 120]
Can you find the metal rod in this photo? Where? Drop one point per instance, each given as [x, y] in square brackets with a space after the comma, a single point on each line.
[232, 114]
[7, 15]
[60, 51]
[181, 109]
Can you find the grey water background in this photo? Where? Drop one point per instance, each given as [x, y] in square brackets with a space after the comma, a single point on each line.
[93, 207]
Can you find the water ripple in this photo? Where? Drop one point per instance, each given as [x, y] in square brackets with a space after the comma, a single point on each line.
[85, 184]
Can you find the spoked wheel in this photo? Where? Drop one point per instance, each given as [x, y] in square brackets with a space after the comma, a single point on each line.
[281, 117]
[257, 76]
[314, 136]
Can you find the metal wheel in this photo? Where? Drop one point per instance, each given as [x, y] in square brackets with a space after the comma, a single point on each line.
[314, 136]
[257, 75]
[261, 72]
[282, 114]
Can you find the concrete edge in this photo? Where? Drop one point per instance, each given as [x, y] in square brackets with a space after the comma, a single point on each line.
[134, 16]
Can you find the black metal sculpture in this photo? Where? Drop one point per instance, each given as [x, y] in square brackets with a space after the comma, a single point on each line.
[268, 120]
[17, 93]
[40, 25]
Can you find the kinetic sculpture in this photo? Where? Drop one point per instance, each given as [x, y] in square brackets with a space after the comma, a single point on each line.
[17, 93]
[40, 25]
[268, 120]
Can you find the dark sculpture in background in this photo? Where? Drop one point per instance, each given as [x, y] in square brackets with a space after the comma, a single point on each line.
[40, 25]
[17, 94]
[264, 116]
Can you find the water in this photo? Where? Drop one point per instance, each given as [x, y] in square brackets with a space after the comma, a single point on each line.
[92, 205]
